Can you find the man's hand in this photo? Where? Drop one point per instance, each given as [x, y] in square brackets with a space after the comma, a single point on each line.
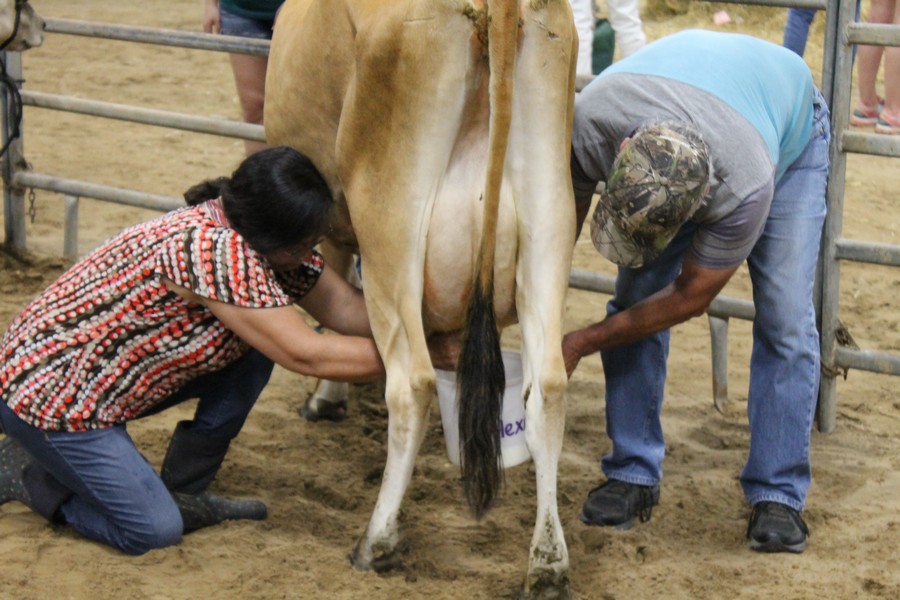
[571, 352]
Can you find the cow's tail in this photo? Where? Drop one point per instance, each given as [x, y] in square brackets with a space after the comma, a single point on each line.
[481, 377]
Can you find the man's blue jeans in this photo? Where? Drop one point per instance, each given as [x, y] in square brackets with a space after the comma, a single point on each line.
[784, 366]
[118, 497]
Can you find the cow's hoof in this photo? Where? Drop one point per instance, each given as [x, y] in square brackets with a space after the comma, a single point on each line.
[318, 409]
[380, 560]
[549, 585]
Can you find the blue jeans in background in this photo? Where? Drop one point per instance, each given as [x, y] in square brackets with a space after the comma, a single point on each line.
[118, 497]
[784, 366]
[796, 28]
[238, 25]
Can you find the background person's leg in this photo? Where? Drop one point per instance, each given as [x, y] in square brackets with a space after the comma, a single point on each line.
[796, 29]
[625, 18]
[250, 81]
[582, 12]
[869, 58]
[890, 121]
[249, 71]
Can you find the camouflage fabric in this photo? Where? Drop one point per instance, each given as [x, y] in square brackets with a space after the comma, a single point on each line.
[656, 184]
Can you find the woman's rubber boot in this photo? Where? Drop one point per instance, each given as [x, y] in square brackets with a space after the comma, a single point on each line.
[190, 465]
[13, 460]
[26, 481]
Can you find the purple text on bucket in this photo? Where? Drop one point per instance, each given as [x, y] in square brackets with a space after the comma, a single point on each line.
[511, 429]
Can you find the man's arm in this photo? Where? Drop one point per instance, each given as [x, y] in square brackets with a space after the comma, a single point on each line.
[581, 211]
[688, 296]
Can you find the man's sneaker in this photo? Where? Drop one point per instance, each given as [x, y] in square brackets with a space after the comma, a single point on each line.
[865, 115]
[615, 503]
[887, 124]
[776, 527]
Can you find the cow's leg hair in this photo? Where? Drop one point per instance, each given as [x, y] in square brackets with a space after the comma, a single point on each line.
[546, 221]
[329, 400]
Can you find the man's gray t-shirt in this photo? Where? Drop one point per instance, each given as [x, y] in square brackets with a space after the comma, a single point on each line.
[734, 213]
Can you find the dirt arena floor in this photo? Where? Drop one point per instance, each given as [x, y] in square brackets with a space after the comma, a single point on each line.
[320, 480]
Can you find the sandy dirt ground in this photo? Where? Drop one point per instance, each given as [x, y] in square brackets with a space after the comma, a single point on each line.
[320, 480]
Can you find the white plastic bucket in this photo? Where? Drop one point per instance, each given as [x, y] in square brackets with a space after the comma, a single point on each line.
[512, 420]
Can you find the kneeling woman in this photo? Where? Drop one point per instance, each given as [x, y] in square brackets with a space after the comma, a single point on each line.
[194, 304]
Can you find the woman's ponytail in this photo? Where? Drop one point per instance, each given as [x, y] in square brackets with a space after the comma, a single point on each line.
[207, 190]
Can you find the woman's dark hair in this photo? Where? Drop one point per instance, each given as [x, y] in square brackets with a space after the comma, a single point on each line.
[276, 198]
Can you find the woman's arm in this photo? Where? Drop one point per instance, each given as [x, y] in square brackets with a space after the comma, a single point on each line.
[337, 305]
[282, 334]
[342, 308]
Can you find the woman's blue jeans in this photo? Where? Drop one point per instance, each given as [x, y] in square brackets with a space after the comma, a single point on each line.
[784, 366]
[118, 497]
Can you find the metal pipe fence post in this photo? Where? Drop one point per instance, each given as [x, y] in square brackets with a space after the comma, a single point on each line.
[13, 161]
[839, 103]
[70, 237]
[718, 334]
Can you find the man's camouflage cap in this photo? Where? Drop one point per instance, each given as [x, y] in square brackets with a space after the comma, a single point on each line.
[656, 184]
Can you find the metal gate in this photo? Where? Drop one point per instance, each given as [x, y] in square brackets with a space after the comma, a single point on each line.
[841, 33]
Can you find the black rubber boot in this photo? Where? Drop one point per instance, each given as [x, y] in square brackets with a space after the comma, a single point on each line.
[13, 460]
[26, 481]
[190, 465]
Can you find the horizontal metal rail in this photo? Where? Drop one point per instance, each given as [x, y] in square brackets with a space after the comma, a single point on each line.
[873, 34]
[74, 187]
[162, 37]
[866, 360]
[146, 116]
[815, 4]
[722, 307]
[868, 252]
[871, 143]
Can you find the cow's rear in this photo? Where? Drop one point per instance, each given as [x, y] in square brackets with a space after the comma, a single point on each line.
[394, 102]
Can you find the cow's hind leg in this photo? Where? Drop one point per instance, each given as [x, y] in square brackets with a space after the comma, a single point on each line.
[539, 148]
[401, 119]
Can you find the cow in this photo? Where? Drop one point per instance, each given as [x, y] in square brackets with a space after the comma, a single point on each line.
[20, 27]
[443, 129]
